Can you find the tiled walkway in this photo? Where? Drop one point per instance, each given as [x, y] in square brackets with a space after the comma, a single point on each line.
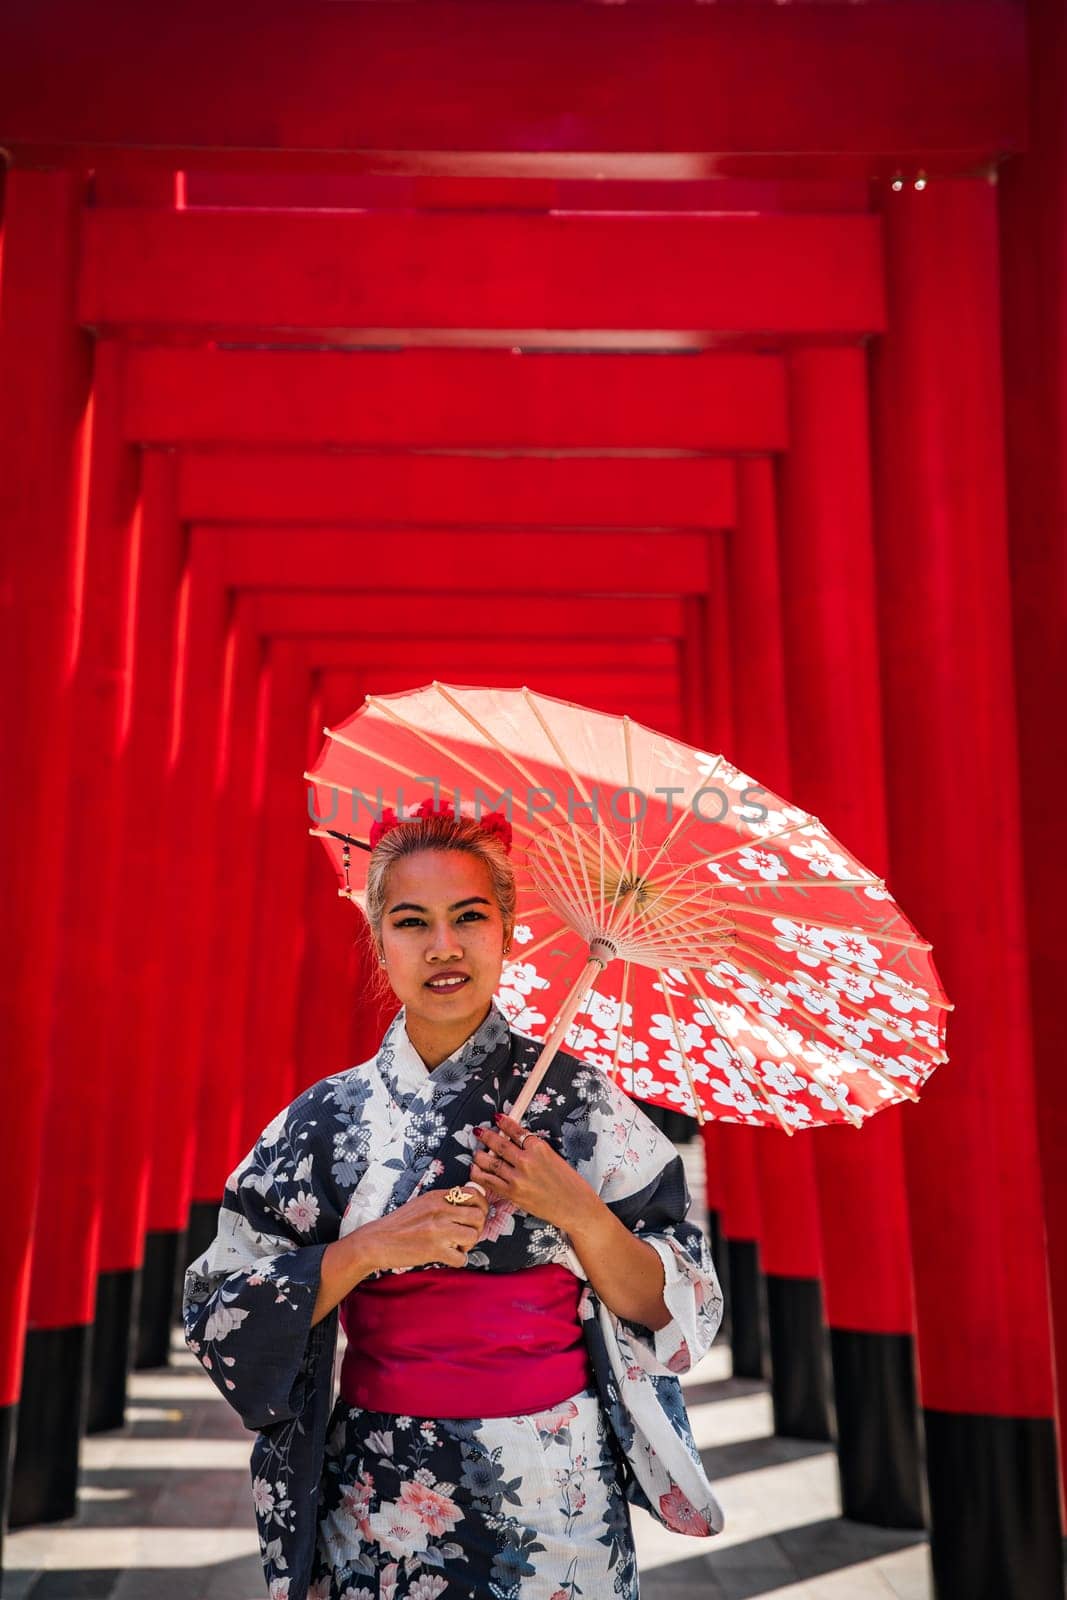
[166, 1514]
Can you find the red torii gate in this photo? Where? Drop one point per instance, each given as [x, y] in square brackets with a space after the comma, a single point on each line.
[965, 120]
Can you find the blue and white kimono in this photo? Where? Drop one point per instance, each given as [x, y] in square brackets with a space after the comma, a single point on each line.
[450, 1521]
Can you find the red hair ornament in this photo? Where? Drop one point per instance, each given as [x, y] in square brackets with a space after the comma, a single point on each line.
[493, 822]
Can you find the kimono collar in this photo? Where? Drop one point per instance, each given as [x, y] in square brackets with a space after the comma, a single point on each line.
[406, 1072]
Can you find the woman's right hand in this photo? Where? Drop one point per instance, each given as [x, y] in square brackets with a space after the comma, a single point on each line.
[427, 1230]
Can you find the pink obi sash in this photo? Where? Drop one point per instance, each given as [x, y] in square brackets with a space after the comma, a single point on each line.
[456, 1342]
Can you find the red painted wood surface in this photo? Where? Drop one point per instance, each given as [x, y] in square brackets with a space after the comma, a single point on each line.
[954, 806]
[209, 271]
[45, 376]
[186, 905]
[354, 190]
[331, 989]
[485, 399]
[789, 81]
[647, 661]
[738, 1178]
[368, 614]
[132, 1136]
[84, 1091]
[544, 562]
[409, 490]
[830, 650]
[1033, 233]
[790, 1244]
[225, 1058]
[281, 874]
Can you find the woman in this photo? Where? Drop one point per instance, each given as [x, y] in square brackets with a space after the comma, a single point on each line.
[517, 1299]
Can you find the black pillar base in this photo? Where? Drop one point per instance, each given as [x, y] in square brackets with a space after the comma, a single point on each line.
[164, 1259]
[749, 1331]
[994, 1507]
[8, 1423]
[675, 1124]
[678, 1127]
[200, 1230]
[717, 1246]
[117, 1297]
[51, 1418]
[879, 1447]
[800, 1358]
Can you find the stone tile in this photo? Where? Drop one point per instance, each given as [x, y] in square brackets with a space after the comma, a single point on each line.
[17, 1585]
[96, 1585]
[129, 1453]
[908, 1573]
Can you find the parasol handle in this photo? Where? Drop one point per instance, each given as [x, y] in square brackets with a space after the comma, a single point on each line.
[600, 952]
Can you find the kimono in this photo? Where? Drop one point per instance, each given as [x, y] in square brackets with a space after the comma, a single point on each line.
[357, 1145]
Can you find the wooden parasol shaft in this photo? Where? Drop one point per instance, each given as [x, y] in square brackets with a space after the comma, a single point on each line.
[586, 980]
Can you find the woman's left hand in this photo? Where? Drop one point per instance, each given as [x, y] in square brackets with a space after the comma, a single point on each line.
[625, 1271]
[532, 1175]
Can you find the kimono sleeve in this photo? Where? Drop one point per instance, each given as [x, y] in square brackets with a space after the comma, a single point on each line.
[642, 1180]
[248, 1301]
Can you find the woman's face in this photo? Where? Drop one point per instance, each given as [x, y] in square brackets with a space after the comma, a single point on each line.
[442, 922]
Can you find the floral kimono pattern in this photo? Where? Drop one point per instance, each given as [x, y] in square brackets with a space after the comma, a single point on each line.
[530, 1505]
[355, 1146]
